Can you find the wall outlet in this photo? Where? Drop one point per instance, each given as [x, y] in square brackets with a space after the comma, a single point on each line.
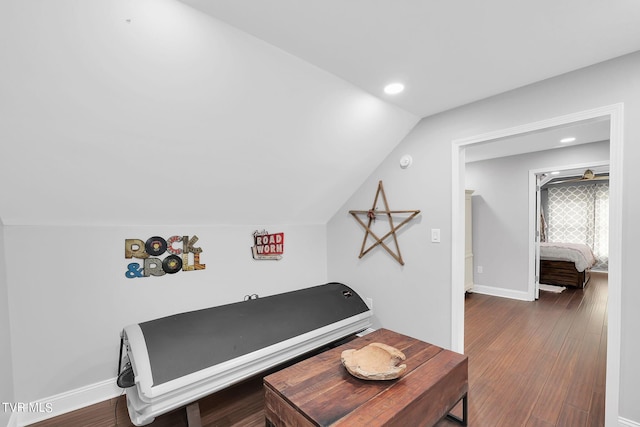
[480, 269]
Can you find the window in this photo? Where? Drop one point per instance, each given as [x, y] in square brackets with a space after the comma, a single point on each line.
[580, 214]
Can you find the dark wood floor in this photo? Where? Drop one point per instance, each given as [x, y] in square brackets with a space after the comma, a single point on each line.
[538, 363]
[531, 364]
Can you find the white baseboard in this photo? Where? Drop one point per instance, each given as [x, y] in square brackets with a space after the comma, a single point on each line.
[623, 422]
[500, 292]
[67, 402]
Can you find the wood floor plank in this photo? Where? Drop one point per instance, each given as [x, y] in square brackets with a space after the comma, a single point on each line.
[571, 416]
[554, 392]
[535, 422]
[584, 378]
[601, 372]
[533, 380]
[596, 410]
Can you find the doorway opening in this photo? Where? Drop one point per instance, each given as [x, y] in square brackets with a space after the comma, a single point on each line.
[614, 114]
[579, 196]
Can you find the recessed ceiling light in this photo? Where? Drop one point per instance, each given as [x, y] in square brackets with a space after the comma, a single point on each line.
[555, 173]
[393, 88]
[567, 140]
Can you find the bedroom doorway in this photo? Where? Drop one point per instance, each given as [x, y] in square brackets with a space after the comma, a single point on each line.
[579, 193]
[613, 113]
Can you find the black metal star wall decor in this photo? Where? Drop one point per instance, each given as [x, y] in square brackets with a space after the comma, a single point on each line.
[371, 217]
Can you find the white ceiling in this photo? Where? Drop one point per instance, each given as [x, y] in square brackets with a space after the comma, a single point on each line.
[584, 132]
[448, 53]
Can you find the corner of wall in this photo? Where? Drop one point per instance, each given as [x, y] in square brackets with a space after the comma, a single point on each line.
[6, 365]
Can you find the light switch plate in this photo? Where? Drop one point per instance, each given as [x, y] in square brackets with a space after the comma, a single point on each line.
[435, 235]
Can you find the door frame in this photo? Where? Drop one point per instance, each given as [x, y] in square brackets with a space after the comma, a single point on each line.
[615, 114]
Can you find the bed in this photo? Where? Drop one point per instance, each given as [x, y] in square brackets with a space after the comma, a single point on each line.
[565, 264]
[176, 360]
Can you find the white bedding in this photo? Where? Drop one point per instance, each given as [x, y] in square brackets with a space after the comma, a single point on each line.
[577, 253]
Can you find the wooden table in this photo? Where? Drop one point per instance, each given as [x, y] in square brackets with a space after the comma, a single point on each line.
[320, 392]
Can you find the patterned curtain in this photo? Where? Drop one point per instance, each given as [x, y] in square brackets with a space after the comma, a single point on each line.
[580, 214]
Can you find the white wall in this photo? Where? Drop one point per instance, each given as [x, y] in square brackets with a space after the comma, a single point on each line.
[6, 365]
[501, 211]
[128, 112]
[415, 299]
[142, 103]
[69, 297]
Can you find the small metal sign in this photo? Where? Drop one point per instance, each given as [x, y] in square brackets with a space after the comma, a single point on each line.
[267, 246]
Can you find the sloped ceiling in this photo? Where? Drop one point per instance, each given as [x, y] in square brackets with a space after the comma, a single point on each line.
[448, 53]
[144, 112]
[149, 112]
